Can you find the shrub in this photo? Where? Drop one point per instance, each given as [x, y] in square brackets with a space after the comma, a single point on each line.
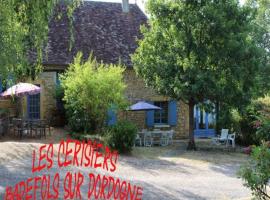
[262, 119]
[239, 122]
[245, 123]
[121, 136]
[90, 89]
[256, 173]
[247, 135]
[263, 128]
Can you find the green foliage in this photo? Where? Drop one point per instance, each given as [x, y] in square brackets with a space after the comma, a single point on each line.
[262, 122]
[252, 123]
[24, 28]
[256, 173]
[90, 89]
[121, 136]
[262, 37]
[59, 92]
[247, 135]
[198, 51]
[263, 128]
[262, 105]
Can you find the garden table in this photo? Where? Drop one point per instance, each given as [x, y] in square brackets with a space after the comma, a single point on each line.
[158, 137]
[28, 126]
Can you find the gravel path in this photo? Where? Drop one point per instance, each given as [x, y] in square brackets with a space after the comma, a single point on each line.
[174, 174]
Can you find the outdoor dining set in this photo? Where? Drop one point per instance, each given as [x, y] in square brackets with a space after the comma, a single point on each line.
[29, 127]
[154, 137]
[25, 126]
[157, 136]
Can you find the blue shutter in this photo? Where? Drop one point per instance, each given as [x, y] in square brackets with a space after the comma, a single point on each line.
[150, 117]
[172, 112]
[112, 117]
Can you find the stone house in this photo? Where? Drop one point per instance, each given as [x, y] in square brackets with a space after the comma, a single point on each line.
[109, 31]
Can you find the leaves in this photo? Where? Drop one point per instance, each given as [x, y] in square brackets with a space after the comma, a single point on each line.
[91, 88]
[23, 34]
[256, 173]
[199, 49]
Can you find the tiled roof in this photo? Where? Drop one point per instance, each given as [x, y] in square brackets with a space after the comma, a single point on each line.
[99, 27]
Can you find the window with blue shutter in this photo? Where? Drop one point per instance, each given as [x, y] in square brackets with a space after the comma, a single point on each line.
[172, 113]
[150, 117]
[111, 116]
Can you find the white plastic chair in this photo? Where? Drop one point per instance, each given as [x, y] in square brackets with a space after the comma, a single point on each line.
[138, 140]
[148, 140]
[164, 139]
[223, 138]
[231, 138]
[170, 134]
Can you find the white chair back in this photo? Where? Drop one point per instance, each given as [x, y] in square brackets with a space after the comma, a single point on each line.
[147, 134]
[224, 133]
[164, 134]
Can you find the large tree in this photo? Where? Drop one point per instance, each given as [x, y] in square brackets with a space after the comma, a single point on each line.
[262, 37]
[198, 50]
[24, 29]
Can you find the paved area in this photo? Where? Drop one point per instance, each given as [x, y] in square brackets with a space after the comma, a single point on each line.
[163, 173]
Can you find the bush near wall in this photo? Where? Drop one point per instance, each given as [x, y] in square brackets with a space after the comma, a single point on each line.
[121, 136]
[90, 89]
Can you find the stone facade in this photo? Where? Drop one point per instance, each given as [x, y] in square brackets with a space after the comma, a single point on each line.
[9, 105]
[135, 91]
[47, 82]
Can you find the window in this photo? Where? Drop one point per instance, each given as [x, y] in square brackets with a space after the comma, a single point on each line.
[161, 116]
[34, 106]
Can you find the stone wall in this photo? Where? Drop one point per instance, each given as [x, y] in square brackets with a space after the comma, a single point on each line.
[47, 82]
[137, 90]
[8, 104]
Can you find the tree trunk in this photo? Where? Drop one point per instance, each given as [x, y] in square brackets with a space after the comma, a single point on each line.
[191, 143]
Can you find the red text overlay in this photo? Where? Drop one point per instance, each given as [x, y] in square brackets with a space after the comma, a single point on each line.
[74, 185]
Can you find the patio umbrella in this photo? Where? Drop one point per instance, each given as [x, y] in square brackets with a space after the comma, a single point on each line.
[21, 89]
[142, 105]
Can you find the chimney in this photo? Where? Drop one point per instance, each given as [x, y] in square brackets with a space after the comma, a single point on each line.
[125, 6]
